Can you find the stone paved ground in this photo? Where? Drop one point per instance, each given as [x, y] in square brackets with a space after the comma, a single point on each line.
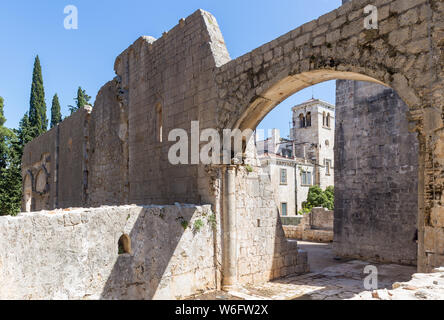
[337, 282]
[329, 279]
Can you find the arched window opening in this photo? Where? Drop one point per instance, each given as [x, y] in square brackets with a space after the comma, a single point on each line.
[124, 244]
[324, 118]
[328, 120]
[301, 121]
[159, 122]
[308, 121]
[40, 185]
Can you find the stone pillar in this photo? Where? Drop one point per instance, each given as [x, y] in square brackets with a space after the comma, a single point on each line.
[229, 231]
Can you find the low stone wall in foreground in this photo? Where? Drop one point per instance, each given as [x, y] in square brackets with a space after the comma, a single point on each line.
[299, 233]
[74, 253]
[317, 226]
[423, 286]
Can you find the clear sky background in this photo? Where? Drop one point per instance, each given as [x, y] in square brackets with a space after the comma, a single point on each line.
[85, 57]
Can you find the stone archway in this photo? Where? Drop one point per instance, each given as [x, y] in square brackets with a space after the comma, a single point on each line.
[197, 81]
[403, 53]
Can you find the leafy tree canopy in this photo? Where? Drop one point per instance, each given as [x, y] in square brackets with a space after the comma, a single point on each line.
[319, 198]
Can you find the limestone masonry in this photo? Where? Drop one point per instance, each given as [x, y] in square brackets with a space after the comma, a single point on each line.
[117, 153]
[316, 226]
[74, 254]
[376, 175]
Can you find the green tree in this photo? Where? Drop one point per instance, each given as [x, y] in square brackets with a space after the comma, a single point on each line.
[37, 108]
[318, 198]
[81, 100]
[56, 115]
[330, 193]
[12, 178]
[11, 182]
[25, 133]
[10, 171]
[4, 133]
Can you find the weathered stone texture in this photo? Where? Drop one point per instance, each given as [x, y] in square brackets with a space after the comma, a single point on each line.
[72, 158]
[41, 157]
[321, 218]
[376, 176]
[299, 233]
[187, 75]
[423, 286]
[264, 252]
[315, 226]
[170, 82]
[108, 149]
[74, 254]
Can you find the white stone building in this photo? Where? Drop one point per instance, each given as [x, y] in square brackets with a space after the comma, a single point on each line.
[304, 160]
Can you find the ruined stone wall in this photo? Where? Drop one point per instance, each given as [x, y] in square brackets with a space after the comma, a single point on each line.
[316, 226]
[167, 83]
[62, 153]
[39, 161]
[376, 175]
[72, 160]
[74, 254]
[321, 218]
[264, 252]
[118, 153]
[108, 149]
[170, 82]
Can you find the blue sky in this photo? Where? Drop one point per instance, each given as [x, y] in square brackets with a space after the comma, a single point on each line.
[85, 57]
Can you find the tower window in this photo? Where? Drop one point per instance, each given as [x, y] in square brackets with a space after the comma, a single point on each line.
[159, 122]
[308, 119]
[301, 121]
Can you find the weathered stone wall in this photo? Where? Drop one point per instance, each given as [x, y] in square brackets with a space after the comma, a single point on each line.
[376, 176]
[321, 218]
[40, 158]
[74, 254]
[62, 153]
[186, 75]
[72, 159]
[315, 226]
[264, 252]
[108, 149]
[170, 82]
[299, 233]
[118, 153]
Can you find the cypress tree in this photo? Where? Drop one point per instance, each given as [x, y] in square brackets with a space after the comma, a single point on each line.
[56, 116]
[4, 133]
[2, 115]
[25, 133]
[37, 108]
[81, 100]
